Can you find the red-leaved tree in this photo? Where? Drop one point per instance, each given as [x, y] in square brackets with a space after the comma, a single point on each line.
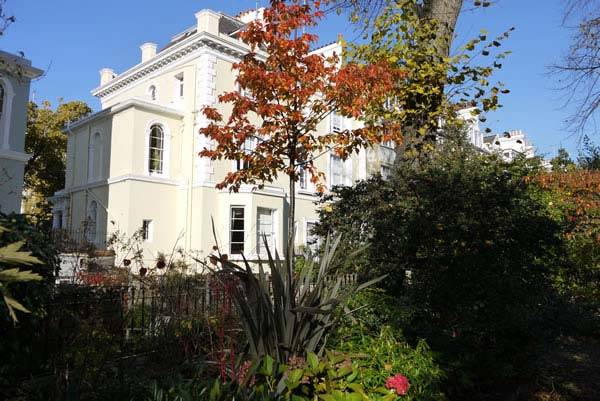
[285, 92]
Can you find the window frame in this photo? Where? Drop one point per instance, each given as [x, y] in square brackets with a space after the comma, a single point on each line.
[346, 175]
[232, 230]
[273, 235]
[308, 246]
[165, 152]
[249, 147]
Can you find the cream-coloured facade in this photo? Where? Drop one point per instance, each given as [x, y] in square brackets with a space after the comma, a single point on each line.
[16, 74]
[135, 163]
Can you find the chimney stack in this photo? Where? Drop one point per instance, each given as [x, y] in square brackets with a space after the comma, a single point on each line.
[148, 51]
[106, 75]
[207, 21]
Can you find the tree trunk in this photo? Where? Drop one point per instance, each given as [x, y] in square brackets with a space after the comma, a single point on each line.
[291, 226]
[445, 12]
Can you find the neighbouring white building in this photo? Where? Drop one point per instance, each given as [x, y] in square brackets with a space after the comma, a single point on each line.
[509, 145]
[16, 74]
[135, 163]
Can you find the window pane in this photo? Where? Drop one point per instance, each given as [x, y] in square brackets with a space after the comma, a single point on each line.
[237, 212]
[237, 236]
[237, 224]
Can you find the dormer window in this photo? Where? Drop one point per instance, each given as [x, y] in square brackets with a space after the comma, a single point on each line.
[152, 92]
[179, 86]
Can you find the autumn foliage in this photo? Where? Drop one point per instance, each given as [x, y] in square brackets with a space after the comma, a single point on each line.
[286, 90]
[579, 192]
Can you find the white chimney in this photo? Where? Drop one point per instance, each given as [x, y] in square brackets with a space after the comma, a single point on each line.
[148, 51]
[252, 15]
[207, 21]
[106, 75]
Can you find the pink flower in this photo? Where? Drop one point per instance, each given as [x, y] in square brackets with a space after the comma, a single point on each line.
[398, 383]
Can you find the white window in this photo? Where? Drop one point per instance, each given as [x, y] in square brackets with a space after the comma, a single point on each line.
[179, 86]
[95, 151]
[152, 92]
[340, 171]
[302, 179]
[57, 223]
[389, 144]
[91, 222]
[249, 147]
[156, 150]
[390, 104]
[265, 230]
[311, 239]
[236, 230]
[336, 122]
[386, 171]
[147, 230]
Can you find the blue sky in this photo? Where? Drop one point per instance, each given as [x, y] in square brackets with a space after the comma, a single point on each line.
[72, 40]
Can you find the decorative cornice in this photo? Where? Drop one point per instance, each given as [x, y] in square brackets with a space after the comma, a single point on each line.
[199, 40]
[133, 102]
[18, 65]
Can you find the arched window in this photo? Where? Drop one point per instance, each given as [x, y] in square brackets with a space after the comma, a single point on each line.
[152, 92]
[91, 222]
[156, 150]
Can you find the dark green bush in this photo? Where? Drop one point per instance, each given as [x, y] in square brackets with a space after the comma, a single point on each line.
[470, 249]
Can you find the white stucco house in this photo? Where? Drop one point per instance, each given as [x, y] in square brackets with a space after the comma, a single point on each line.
[16, 74]
[509, 145]
[135, 164]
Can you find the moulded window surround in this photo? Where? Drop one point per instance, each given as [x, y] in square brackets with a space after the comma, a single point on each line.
[237, 233]
[157, 150]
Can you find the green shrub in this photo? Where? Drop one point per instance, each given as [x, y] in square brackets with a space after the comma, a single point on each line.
[470, 249]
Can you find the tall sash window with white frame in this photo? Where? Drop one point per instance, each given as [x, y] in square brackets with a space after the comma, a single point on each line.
[265, 230]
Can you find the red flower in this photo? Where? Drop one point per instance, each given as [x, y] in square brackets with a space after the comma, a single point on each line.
[398, 383]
